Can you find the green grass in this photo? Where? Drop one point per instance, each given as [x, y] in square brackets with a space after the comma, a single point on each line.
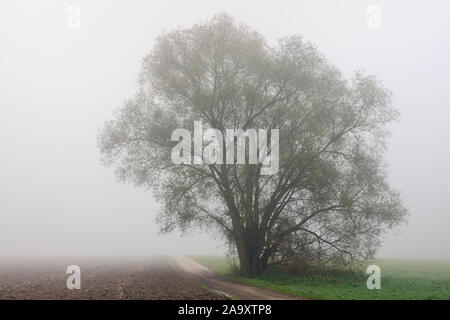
[400, 279]
[218, 264]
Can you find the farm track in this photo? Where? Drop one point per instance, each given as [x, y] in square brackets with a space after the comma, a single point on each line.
[226, 286]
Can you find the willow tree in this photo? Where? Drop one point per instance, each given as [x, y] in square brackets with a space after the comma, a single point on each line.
[330, 200]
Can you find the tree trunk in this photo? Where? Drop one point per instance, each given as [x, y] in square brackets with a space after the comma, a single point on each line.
[249, 256]
[250, 265]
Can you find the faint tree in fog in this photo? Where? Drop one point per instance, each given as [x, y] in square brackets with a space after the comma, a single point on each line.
[330, 201]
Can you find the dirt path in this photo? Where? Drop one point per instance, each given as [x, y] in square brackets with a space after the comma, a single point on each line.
[226, 286]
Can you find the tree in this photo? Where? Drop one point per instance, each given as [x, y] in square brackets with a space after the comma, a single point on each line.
[329, 202]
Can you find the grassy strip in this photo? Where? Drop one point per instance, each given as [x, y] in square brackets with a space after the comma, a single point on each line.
[399, 280]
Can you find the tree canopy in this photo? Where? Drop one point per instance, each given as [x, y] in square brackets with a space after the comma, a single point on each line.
[329, 202]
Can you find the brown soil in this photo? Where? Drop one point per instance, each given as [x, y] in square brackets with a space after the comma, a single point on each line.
[125, 278]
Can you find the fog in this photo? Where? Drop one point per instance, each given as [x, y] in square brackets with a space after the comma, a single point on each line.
[59, 85]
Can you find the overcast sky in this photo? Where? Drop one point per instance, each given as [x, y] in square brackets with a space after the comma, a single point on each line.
[58, 85]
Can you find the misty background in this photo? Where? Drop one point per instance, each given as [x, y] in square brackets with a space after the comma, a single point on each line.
[59, 85]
